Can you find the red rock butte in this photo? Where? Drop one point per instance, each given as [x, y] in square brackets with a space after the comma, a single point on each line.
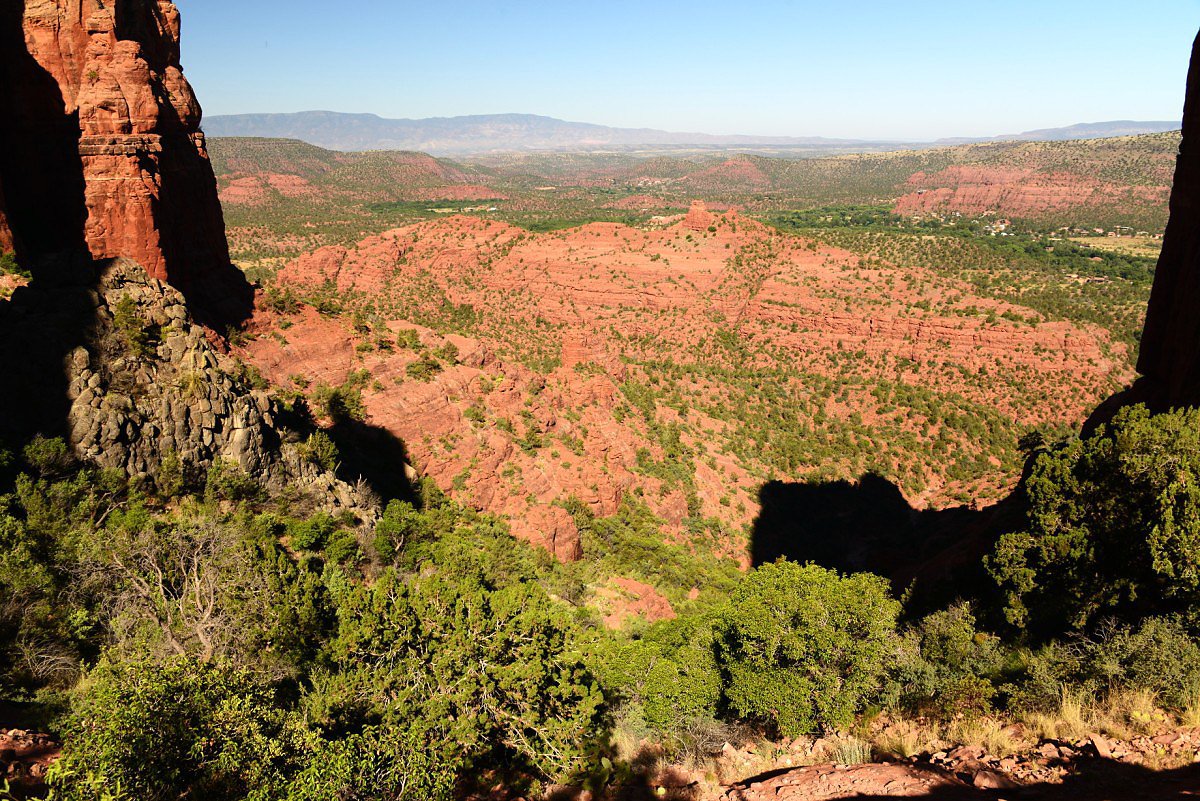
[698, 217]
[101, 149]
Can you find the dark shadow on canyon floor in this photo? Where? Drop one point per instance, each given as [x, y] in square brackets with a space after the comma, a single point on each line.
[869, 526]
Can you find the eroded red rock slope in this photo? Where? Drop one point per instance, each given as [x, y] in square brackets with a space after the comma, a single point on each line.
[563, 328]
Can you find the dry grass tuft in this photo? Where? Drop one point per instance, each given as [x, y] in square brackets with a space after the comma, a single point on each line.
[906, 738]
[995, 737]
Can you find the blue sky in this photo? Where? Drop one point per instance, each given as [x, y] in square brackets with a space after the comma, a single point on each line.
[865, 68]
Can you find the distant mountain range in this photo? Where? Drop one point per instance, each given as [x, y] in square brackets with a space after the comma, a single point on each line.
[1082, 130]
[490, 133]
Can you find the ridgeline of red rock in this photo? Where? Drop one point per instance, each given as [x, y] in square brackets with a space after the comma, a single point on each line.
[101, 148]
[671, 364]
[1026, 193]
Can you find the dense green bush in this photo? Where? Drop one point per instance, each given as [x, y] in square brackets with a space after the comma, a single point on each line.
[1157, 656]
[392, 763]
[402, 528]
[150, 729]
[10, 266]
[670, 674]
[944, 666]
[1113, 527]
[340, 403]
[134, 332]
[487, 674]
[320, 450]
[803, 648]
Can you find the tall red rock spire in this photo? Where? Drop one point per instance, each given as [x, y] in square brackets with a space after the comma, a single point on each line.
[1170, 350]
[100, 145]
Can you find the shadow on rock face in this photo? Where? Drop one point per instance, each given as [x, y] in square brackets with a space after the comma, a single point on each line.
[374, 456]
[40, 167]
[40, 327]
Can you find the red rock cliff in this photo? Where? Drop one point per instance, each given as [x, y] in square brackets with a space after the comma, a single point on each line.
[100, 143]
[1170, 352]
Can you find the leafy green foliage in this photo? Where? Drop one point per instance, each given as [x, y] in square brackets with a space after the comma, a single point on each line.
[391, 763]
[340, 403]
[320, 450]
[150, 728]
[250, 655]
[131, 328]
[1156, 655]
[803, 648]
[670, 674]
[1113, 527]
[10, 266]
[424, 368]
[945, 666]
[486, 673]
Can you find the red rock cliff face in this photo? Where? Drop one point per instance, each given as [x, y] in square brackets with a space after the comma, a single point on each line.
[1170, 351]
[100, 146]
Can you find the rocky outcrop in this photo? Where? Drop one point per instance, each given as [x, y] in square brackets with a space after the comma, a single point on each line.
[698, 217]
[1170, 350]
[143, 383]
[101, 149]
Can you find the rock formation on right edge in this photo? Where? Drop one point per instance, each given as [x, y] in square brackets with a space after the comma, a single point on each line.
[1170, 349]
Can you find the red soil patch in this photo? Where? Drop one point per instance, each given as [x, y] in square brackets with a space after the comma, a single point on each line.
[256, 189]
[633, 599]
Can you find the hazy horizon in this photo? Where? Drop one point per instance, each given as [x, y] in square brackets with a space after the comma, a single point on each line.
[917, 72]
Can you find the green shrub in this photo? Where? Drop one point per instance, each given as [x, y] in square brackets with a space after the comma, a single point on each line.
[228, 482]
[311, 534]
[1157, 655]
[489, 676]
[390, 763]
[164, 729]
[408, 339]
[1113, 527]
[401, 528]
[945, 667]
[340, 403]
[424, 368]
[320, 450]
[342, 547]
[131, 328]
[803, 648]
[170, 476]
[49, 457]
[9, 266]
[669, 674]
